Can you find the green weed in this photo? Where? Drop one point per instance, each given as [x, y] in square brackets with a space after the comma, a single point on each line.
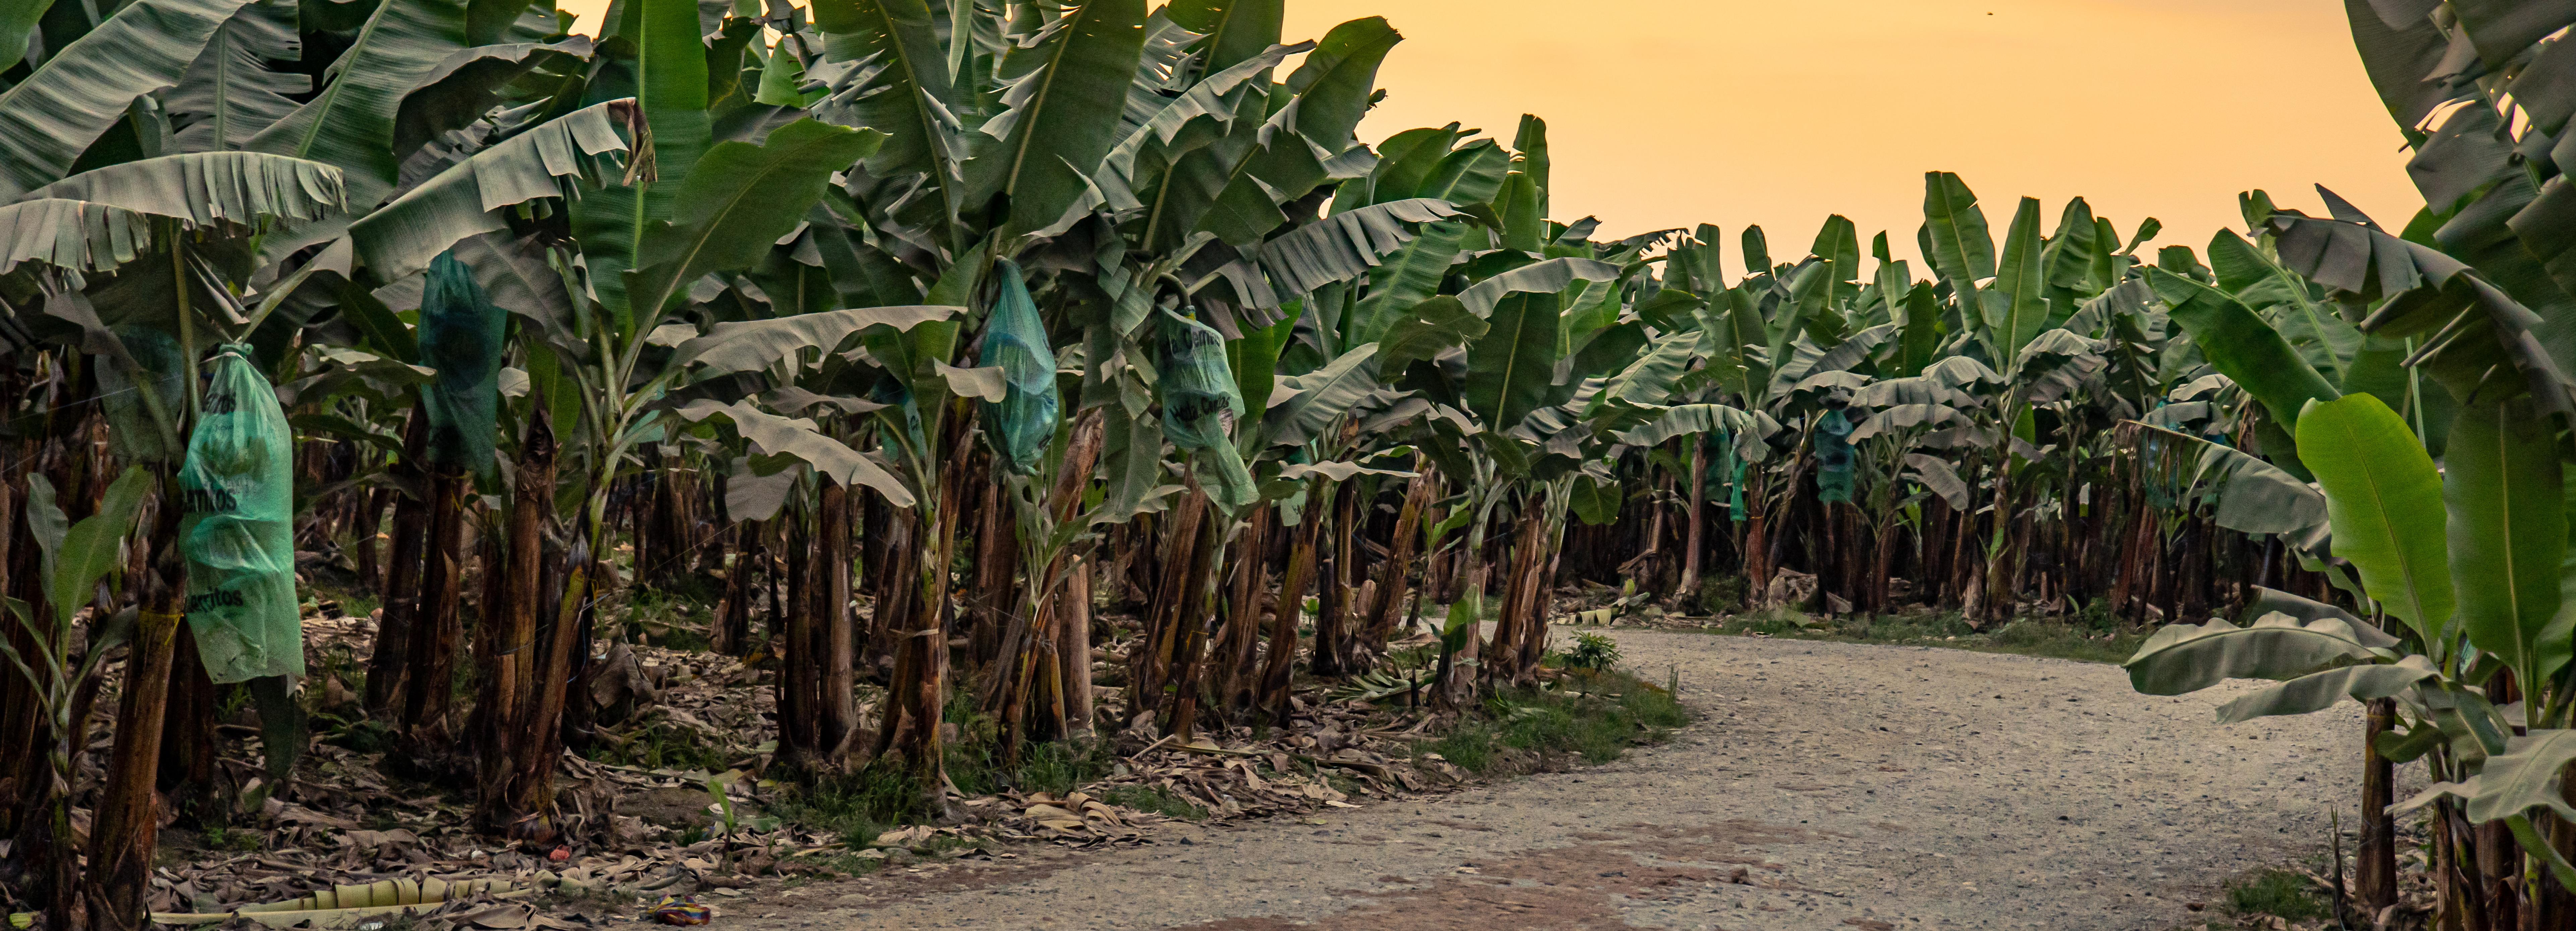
[2275, 892]
[1155, 799]
[1593, 715]
[1721, 595]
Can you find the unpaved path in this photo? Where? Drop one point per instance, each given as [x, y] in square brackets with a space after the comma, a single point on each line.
[1826, 786]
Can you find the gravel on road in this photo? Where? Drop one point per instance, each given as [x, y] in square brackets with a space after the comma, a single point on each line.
[1825, 785]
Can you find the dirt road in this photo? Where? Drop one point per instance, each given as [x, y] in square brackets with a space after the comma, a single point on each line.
[1826, 786]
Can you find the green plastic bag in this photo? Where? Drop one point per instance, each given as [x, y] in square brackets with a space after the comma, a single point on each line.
[460, 336]
[1021, 426]
[1200, 403]
[1833, 457]
[238, 528]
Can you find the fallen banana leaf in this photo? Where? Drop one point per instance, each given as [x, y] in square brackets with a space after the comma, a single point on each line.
[342, 906]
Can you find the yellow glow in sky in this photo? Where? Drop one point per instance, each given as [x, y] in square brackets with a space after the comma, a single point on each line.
[1665, 113]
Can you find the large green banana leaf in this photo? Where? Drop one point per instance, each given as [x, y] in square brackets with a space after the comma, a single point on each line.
[1407, 278]
[1061, 98]
[1432, 327]
[2319, 691]
[1236, 30]
[1511, 369]
[738, 201]
[898, 84]
[351, 122]
[47, 120]
[1321, 396]
[671, 92]
[2241, 346]
[1346, 245]
[468, 198]
[2016, 308]
[204, 188]
[1549, 277]
[229, 93]
[798, 439]
[1954, 231]
[2322, 337]
[2503, 485]
[2384, 500]
[2185, 658]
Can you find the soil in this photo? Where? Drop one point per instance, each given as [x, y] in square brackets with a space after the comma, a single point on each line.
[1825, 786]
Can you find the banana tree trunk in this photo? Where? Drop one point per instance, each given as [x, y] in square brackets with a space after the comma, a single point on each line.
[1395, 579]
[909, 730]
[510, 672]
[124, 832]
[369, 525]
[389, 666]
[188, 742]
[1251, 577]
[1695, 529]
[1502, 655]
[1197, 607]
[1334, 643]
[2376, 857]
[1150, 666]
[1278, 667]
[562, 636]
[839, 703]
[1073, 648]
[800, 673]
[435, 631]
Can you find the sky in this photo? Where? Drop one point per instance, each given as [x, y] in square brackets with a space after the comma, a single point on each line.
[1671, 113]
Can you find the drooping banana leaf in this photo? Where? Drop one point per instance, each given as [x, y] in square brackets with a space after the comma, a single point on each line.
[469, 198]
[231, 92]
[351, 122]
[49, 119]
[738, 201]
[2243, 347]
[2185, 658]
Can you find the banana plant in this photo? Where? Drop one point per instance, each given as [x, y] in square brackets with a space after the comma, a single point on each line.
[75, 560]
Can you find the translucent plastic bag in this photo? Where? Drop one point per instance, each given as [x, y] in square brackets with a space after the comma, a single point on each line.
[1200, 404]
[237, 529]
[460, 336]
[1833, 457]
[1022, 425]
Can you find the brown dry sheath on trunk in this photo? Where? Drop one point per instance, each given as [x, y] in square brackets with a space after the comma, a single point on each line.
[510, 672]
[389, 666]
[838, 638]
[438, 627]
[1395, 581]
[1697, 525]
[1251, 576]
[1073, 649]
[124, 830]
[800, 669]
[1276, 674]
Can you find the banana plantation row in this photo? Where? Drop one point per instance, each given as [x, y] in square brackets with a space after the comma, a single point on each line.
[923, 330]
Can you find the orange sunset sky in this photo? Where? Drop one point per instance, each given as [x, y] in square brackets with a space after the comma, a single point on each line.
[1666, 113]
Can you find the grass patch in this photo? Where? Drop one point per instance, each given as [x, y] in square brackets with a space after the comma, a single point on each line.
[2081, 637]
[662, 744]
[859, 806]
[225, 838]
[2276, 892]
[1155, 799]
[675, 617]
[1591, 715]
